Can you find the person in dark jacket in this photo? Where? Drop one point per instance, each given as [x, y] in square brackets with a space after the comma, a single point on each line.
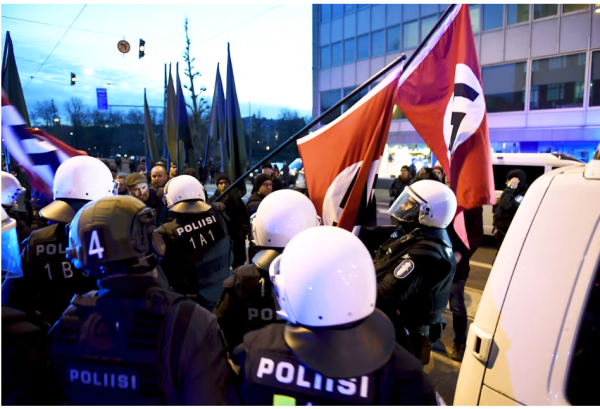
[507, 206]
[238, 225]
[336, 348]
[267, 169]
[137, 185]
[132, 342]
[263, 186]
[462, 254]
[399, 183]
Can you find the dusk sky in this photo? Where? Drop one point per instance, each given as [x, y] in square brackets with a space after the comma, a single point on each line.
[271, 50]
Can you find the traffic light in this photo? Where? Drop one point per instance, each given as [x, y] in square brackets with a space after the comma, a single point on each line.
[73, 79]
[142, 48]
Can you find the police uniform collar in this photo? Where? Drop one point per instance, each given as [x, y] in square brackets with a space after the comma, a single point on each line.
[344, 352]
[440, 235]
[263, 259]
[58, 211]
[127, 284]
[190, 206]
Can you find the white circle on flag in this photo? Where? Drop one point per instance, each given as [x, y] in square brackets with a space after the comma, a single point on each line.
[332, 210]
[466, 111]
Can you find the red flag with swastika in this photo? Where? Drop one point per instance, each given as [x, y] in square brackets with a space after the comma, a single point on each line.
[341, 160]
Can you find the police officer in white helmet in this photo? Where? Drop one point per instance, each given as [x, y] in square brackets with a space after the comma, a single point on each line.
[247, 302]
[336, 348]
[49, 280]
[133, 342]
[416, 265]
[198, 253]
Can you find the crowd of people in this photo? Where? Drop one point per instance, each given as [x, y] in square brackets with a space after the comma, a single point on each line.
[142, 292]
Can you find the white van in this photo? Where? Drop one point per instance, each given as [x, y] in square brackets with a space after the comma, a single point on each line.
[533, 164]
[535, 339]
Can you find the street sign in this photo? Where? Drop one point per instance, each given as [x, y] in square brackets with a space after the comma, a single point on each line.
[123, 46]
[102, 98]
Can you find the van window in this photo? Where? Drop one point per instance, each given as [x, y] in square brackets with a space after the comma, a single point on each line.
[500, 172]
[584, 378]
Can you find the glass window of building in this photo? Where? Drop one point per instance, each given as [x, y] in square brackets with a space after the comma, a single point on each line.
[350, 25]
[329, 99]
[411, 35]
[493, 16]
[337, 10]
[544, 10]
[583, 377]
[410, 12]
[363, 22]
[518, 13]
[363, 47]
[569, 8]
[349, 8]
[378, 17]
[504, 87]
[349, 51]
[363, 6]
[557, 82]
[394, 14]
[426, 25]
[348, 104]
[377, 43]
[595, 80]
[475, 13]
[325, 12]
[336, 54]
[325, 58]
[393, 39]
[428, 9]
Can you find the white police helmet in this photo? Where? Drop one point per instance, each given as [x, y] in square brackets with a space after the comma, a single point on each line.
[85, 178]
[280, 216]
[11, 189]
[325, 277]
[427, 202]
[182, 194]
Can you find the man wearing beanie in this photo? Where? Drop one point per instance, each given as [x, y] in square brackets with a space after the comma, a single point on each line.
[267, 169]
[263, 186]
[137, 185]
[239, 222]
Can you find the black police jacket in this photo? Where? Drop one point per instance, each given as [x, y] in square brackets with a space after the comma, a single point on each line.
[26, 379]
[246, 303]
[133, 343]
[198, 255]
[273, 373]
[49, 280]
[414, 274]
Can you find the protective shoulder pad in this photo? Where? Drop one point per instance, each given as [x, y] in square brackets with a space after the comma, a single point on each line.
[425, 249]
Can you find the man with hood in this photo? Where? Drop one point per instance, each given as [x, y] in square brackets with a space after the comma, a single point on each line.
[507, 206]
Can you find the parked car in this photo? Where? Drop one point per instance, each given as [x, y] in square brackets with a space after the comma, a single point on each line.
[536, 335]
[533, 164]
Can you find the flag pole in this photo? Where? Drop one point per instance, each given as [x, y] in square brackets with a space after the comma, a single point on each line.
[167, 114]
[4, 62]
[374, 78]
[146, 140]
[177, 130]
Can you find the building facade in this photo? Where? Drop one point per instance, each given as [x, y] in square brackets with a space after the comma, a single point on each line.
[540, 68]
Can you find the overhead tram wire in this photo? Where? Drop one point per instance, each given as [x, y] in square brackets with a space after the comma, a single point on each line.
[52, 52]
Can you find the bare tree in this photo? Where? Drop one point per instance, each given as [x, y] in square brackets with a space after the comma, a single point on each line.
[77, 111]
[200, 108]
[97, 117]
[43, 113]
[115, 118]
[134, 117]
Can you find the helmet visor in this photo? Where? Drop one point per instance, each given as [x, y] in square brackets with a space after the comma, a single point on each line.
[407, 206]
[115, 190]
[11, 257]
